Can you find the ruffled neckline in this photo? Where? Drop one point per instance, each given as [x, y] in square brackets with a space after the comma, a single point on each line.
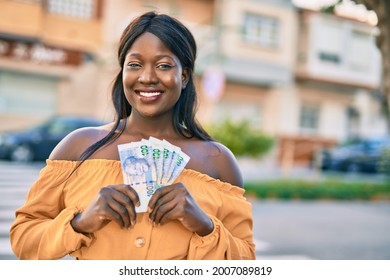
[108, 163]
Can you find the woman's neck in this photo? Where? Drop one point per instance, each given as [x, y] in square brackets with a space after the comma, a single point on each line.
[161, 127]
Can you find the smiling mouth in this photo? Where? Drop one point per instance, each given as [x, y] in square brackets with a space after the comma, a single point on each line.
[149, 94]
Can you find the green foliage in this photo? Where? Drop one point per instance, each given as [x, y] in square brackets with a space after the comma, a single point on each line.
[326, 189]
[241, 138]
[330, 9]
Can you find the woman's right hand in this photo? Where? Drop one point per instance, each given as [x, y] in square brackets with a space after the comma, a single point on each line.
[112, 203]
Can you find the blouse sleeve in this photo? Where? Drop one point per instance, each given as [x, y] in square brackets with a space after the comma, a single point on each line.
[42, 229]
[232, 237]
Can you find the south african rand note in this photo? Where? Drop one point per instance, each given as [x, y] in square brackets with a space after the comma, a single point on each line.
[158, 157]
[139, 171]
[169, 155]
[179, 162]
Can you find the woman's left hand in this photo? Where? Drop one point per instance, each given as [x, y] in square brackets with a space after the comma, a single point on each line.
[174, 202]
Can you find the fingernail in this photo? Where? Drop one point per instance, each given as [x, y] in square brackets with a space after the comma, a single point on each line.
[149, 210]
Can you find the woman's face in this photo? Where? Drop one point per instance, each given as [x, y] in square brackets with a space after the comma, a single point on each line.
[152, 77]
[136, 168]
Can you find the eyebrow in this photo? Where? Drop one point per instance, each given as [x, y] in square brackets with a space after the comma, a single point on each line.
[160, 56]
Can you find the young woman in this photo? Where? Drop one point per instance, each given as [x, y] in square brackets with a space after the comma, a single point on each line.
[79, 204]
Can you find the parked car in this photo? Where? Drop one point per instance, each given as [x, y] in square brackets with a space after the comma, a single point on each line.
[359, 156]
[36, 144]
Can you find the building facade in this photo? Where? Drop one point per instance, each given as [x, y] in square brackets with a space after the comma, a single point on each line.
[308, 79]
[46, 49]
[337, 76]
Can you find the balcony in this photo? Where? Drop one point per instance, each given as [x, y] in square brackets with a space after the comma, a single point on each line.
[32, 21]
[71, 33]
[21, 18]
[337, 50]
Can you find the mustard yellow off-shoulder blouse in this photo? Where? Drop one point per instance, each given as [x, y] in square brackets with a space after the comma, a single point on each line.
[42, 227]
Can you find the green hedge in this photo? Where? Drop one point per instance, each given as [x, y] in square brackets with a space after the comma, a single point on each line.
[241, 138]
[339, 190]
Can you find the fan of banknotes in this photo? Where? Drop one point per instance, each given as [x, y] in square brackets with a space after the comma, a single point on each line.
[150, 164]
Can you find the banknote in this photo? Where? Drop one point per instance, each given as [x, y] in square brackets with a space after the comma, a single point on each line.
[168, 161]
[177, 164]
[139, 170]
[180, 161]
[150, 164]
[158, 156]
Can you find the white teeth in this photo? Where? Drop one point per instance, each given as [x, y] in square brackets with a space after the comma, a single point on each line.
[149, 94]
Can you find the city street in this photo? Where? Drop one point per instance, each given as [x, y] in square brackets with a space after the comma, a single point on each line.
[323, 230]
[15, 180]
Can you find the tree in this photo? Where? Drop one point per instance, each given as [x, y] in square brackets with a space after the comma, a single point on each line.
[381, 8]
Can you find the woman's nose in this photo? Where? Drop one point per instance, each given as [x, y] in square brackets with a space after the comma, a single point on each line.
[148, 75]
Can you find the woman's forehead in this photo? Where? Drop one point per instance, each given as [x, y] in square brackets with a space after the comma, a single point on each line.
[149, 44]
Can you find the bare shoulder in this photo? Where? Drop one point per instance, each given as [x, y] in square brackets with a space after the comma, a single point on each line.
[225, 163]
[75, 143]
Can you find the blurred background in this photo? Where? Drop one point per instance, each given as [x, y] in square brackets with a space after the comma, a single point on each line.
[298, 90]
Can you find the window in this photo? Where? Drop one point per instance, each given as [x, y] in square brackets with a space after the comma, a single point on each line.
[309, 118]
[84, 9]
[360, 51]
[330, 41]
[261, 30]
[330, 57]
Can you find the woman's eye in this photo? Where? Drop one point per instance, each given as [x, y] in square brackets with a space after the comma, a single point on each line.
[134, 65]
[164, 66]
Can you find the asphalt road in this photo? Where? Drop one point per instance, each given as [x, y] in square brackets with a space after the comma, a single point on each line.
[322, 230]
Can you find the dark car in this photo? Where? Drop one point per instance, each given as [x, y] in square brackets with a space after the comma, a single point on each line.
[359, 156]
[36, 144]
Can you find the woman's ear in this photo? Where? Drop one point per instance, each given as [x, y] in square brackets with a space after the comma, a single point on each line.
[185, 76]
